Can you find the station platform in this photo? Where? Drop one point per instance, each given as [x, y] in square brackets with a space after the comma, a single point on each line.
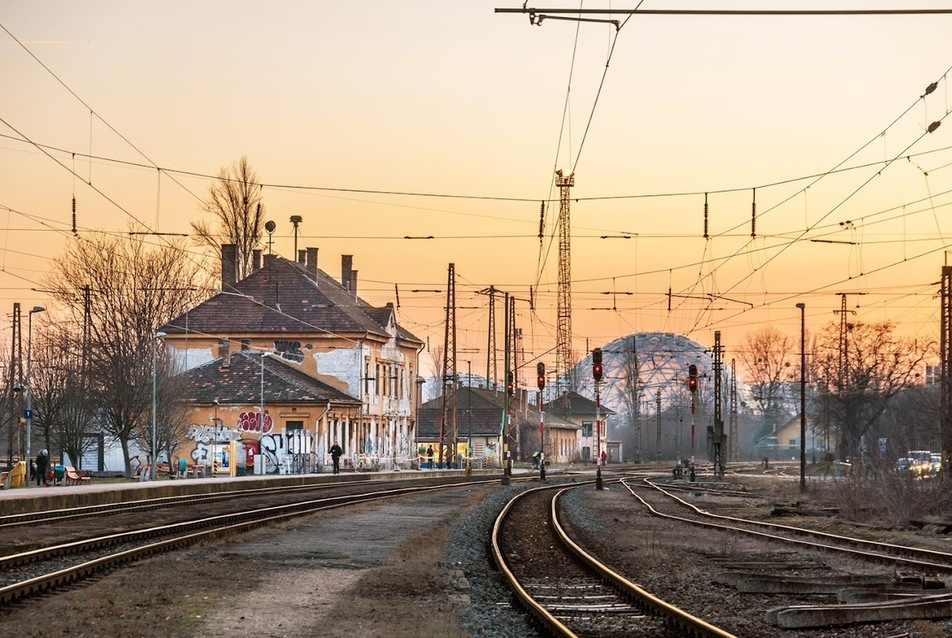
[22, 500]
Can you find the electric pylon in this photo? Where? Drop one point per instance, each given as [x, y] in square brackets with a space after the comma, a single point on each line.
[564, 359]
[448, 426]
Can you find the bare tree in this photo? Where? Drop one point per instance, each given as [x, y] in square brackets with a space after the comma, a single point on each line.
[766, 356]
[62, 412]
[134, 289]
[876, 366]
[235, 202]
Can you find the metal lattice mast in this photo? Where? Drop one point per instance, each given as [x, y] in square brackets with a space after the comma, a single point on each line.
[945, 369]
[718, 430]
[735, 450]
[449, 433]
[492, 372]
[564, 360]
[841, 367]
[16, 374]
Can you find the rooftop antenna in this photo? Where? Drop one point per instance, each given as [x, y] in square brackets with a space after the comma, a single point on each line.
[269, 226]
[296, 219]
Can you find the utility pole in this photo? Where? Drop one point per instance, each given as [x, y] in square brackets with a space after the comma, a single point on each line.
[540, 374]
[448, 425]
[718, 429]
[597, 375]
[945, 370]
[564, 361]
[507, 467]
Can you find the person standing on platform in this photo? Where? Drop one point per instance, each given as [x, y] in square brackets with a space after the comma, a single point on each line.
[335, 456]
[42, 465]
[429, 457]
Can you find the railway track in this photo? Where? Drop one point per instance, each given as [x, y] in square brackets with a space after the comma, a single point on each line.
[45, 569]
[914, 592]
[570, 592]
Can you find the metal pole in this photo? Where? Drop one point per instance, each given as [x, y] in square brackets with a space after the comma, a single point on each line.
[507, 468]
[803, 397]
[598, 439]
[155, 338]
[28, 409]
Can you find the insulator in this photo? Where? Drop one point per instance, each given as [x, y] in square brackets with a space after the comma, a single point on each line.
[753, 216]
[929, 89]
[706, 236]
[74, 214]
[934, 126]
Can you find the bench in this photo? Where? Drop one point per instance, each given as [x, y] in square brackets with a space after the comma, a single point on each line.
[77, 477]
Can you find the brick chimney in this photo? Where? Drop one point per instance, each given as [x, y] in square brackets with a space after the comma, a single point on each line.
[346, 266]
[255, 259]
[353, 283]
[312, 262]
[224, 353]
[229, 266]
[302, 256]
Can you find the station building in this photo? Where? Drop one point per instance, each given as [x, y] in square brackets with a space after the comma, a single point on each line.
[283, 363]
[480, 429]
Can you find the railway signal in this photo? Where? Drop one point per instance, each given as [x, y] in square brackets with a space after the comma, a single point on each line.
[692, 378]
[540, 374]
[510, 389]
[597, 364]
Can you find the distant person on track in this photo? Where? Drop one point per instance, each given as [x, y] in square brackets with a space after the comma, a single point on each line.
[335, 456]
[42, 465]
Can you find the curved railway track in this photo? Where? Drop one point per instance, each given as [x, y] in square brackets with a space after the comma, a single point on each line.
[570, 592]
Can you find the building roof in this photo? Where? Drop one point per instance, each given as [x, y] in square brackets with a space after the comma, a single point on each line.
[241, 382]
[574, 404]
[478, 411]
[283, 297]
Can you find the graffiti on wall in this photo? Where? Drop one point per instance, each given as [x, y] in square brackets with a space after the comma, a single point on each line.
[289, 350]
[284, 447]
[251, 422]
[202, 433]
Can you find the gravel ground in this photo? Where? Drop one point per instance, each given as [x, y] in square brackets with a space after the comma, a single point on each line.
[407, 567]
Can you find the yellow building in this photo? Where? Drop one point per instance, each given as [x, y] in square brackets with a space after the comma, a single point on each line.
[289, 360]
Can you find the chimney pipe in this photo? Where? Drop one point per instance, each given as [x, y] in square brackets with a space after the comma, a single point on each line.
[302, 256]
[312, 262]
[353, 283]
[255, 259]
[346, 265]
[229, 266]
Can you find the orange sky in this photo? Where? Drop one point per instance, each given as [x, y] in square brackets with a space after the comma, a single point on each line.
[469, 108]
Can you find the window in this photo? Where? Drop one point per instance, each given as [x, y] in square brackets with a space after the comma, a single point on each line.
[586, 428]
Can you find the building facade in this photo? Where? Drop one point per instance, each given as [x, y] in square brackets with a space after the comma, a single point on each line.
[290, 360]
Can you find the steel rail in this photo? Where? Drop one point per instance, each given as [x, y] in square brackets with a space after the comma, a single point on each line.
[214, 526]
[552, 624]
[890, 549]
[794, 541]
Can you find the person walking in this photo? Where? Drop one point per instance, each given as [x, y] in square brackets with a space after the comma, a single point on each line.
[42, 465]
[335, 456]
[429, 456]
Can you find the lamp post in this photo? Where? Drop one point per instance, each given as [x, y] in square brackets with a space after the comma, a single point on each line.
[28, 409]
[803, 396]
[214, 435]
[155, 455]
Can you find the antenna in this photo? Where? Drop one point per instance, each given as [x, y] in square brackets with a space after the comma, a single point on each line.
[269, 226]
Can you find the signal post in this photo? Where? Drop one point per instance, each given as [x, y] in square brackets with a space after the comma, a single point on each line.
[597, 375]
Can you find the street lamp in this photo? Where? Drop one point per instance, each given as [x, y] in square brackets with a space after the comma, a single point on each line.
[155, 455]
[29, 364]
[803, 399]
[214, 435]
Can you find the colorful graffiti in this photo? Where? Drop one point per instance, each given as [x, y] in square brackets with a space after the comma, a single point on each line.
[202, 433]
[251, 422]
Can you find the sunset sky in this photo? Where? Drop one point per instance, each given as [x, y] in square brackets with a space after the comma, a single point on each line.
[375, 121]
